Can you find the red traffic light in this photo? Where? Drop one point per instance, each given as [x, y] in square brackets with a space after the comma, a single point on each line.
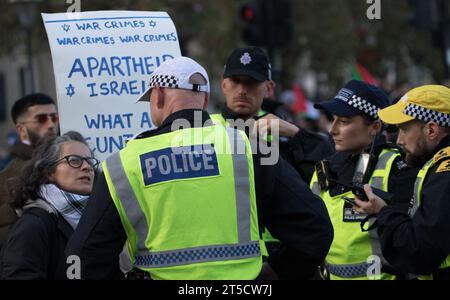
[248, 13]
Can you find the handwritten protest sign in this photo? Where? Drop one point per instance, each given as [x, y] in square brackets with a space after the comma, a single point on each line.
[102, 62]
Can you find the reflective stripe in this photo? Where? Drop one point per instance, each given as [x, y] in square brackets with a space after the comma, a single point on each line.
[384, 159]
[415, 202]
[375, 243]
[417, 184]
[244, 249]
[378, 183]
[128, 199]
[348, 271]
[145, 259]
[378, 175]
[241, 184]
[316, 188]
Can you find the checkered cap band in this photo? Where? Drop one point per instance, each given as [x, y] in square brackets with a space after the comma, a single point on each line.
[167, 81]
[427, 115]
[364, 106]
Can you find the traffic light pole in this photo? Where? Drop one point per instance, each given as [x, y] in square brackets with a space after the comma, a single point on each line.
[268, 24]
[270, 45]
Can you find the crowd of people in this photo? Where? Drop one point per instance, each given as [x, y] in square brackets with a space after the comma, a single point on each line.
[347, 205]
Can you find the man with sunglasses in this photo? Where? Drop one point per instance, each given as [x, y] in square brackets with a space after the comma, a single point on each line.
[36, 119]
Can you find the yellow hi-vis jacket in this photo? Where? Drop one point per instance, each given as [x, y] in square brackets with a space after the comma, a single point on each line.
[351, 248]
[187, 203]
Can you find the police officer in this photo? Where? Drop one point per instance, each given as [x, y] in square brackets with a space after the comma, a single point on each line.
[247, 80]
[418, 242]
[362, 156]
[186, 202]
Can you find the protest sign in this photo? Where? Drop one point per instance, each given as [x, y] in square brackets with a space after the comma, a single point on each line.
[102, 62]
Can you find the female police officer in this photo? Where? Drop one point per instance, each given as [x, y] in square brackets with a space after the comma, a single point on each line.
[356, 129]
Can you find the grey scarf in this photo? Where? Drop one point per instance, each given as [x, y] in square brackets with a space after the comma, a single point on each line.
[56, 201]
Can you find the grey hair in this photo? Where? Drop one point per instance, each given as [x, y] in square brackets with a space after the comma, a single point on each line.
[48, 153]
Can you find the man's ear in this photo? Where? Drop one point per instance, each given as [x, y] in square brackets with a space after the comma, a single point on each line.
[22, 131]
[159, 96]
[432, 130]
[270, 89]
[223, 85]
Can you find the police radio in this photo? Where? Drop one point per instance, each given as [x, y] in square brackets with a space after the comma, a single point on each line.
[362, 176]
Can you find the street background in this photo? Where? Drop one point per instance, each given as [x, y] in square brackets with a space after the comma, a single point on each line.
[315, 45]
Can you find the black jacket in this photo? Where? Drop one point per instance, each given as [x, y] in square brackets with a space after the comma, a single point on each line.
[420, 244]
[286, 207]
[35, 247]
[20, 154]
[302, 151]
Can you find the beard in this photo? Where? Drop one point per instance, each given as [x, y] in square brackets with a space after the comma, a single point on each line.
[413, 160]
[37, 140]
[420, 155]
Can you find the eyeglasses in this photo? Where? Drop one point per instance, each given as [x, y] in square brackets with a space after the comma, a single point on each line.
[76, 161]
[43, 118]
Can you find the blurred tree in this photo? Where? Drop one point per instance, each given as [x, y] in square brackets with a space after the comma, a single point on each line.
[329, 36]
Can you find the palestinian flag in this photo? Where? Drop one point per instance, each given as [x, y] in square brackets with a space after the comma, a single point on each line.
[359, 72]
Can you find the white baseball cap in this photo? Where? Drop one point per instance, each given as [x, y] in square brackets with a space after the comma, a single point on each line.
[176, 74]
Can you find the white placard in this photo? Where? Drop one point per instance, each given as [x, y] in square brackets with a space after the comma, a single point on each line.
[102, 62]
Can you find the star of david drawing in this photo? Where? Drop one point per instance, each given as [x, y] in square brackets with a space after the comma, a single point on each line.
[70, 90]
[66, 27]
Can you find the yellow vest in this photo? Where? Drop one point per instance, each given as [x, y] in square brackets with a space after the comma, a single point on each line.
[351, 248]
[417, 199]
[187, 204]
[219, 120]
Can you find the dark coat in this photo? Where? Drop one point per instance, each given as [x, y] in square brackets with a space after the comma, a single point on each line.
[419, 245]
[20, 153]
[35, 247]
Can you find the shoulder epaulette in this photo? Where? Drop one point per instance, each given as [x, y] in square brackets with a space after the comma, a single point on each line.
[442, 154]
[444, 166]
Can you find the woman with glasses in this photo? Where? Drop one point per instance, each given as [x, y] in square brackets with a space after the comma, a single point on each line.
[49, 198]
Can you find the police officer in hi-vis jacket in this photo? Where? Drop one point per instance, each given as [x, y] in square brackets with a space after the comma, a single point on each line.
[362, 156]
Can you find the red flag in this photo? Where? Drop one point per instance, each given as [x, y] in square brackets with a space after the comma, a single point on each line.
[301, 103]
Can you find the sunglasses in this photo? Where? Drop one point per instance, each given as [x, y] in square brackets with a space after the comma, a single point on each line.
[43, 118]
[76, 161]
